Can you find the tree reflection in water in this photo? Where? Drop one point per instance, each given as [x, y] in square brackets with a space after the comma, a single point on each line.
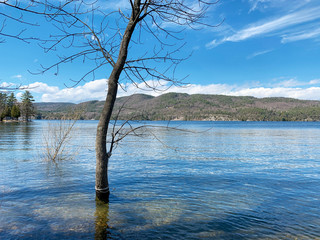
[27, 130]
[102, 219]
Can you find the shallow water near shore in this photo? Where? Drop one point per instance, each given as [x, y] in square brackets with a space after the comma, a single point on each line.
[218, 180]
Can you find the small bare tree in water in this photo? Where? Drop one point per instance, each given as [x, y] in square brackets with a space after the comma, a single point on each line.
[56, 138]
[111, 35]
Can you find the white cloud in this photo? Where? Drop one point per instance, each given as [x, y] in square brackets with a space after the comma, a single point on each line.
[19, 95]
[293, 82]
[19, 76]
[289, 83]
[314, 81]
[307, 34]
[275, 25]
[40, 87]
[213, 43]
[312, 93]
[258, 54]
[255, 4]
[96, 90]
[262, 5]
[5, 85]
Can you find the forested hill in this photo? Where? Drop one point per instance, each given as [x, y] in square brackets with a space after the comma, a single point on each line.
[178, 106]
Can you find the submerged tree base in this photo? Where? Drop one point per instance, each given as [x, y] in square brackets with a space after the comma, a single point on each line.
[103, 196]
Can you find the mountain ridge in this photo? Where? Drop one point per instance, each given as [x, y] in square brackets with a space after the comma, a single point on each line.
[182, 106]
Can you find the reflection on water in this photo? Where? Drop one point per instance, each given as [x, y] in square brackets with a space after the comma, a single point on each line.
[233, 181]
[102, 219]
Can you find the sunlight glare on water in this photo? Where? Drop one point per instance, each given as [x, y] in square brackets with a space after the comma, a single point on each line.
[218, 180]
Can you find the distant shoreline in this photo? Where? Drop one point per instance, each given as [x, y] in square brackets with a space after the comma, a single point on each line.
[197, 107]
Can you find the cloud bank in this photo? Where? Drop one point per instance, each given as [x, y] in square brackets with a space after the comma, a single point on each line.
[97, 90]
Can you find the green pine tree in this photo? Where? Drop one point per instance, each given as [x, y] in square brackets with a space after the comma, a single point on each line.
[11, 100]
[3, 103]
[6, 112]
[15, 111]
[27, 107]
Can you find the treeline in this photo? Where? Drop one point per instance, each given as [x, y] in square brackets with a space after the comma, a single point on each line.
[178, 106]
[12, 109]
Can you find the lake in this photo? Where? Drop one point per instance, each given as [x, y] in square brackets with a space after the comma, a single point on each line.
[214, 180]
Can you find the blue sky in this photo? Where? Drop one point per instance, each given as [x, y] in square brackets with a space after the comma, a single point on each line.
[263, 48]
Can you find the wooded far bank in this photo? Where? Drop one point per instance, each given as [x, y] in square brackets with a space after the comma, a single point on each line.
[180, 106]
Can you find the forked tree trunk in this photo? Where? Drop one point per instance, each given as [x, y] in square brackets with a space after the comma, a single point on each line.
[102, 155]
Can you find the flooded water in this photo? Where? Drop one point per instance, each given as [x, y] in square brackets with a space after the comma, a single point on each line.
[218, 180]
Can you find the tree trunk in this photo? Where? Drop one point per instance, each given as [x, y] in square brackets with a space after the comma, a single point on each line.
[102, 155]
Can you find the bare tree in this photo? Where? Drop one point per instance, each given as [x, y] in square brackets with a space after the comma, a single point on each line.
[113, 40]
[56, 138]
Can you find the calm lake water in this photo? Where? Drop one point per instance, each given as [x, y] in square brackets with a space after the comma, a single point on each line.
[218, 180]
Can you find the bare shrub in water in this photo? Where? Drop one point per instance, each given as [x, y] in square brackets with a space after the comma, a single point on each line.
[57, 139]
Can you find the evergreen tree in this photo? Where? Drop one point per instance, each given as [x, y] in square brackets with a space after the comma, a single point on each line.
[3, 103]
[11, 100]
[6, 112]
[15, 111]
[27, 107]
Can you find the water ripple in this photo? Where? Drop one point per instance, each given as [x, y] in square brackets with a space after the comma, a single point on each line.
[233, 181]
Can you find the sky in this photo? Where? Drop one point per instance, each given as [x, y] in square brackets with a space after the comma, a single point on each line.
[260, 48]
